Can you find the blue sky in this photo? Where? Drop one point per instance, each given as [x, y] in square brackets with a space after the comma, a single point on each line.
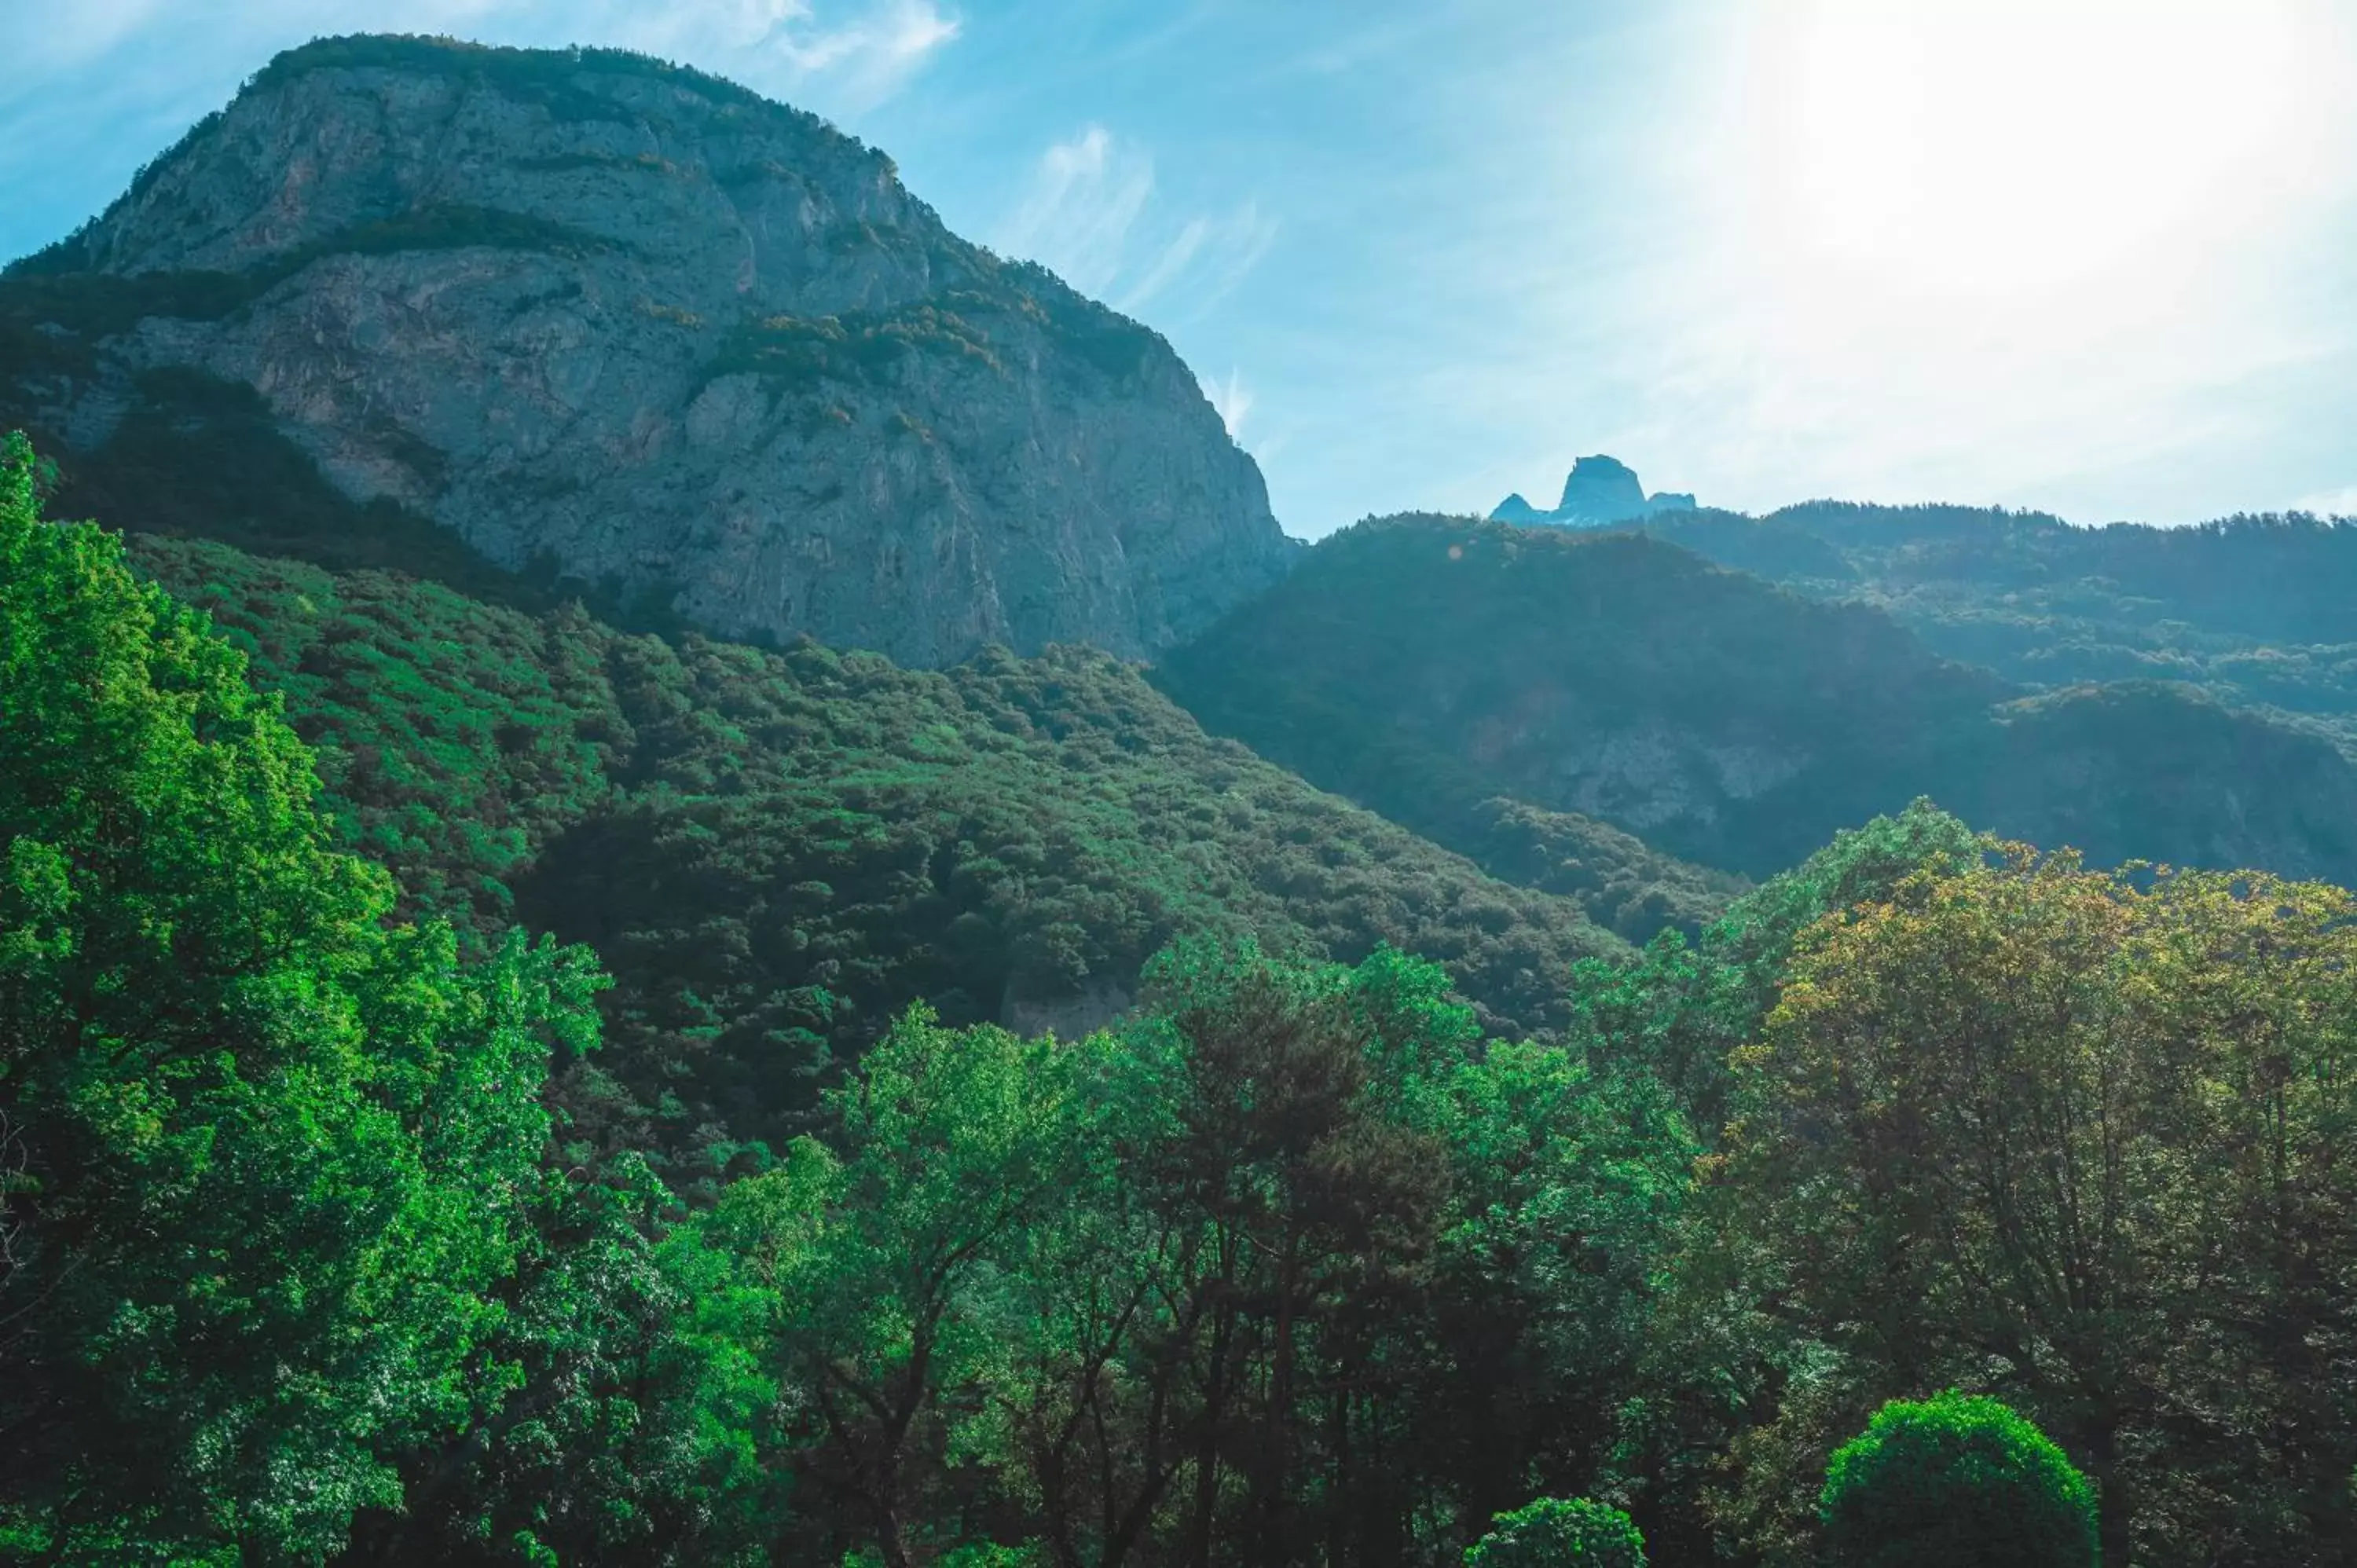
[2088, 255]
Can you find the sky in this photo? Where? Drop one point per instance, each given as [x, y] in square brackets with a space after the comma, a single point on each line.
[2086, 256]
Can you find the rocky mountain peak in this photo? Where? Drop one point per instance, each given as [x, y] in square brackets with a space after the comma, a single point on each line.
[585, 309]
[1599, 490]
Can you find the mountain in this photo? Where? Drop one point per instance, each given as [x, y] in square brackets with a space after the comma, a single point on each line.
[2256, 611]
[1430, 667]
[776, 852]
[1597, 490]
[598, 318]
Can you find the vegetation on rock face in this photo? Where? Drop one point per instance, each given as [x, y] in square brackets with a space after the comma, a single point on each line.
[1428, 665]
[1956, 1482]
[516, 199]
[1635, 891]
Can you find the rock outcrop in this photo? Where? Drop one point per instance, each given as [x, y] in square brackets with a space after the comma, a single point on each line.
[601, 315]
[1598, 492]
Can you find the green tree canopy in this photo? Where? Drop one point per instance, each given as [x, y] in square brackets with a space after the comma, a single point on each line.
[2075, 1137]
[1557, 1533]
[269, 1154]
[1956, 1482]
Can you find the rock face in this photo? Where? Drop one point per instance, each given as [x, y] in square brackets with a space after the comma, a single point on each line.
[1598, 491]
[590, 311]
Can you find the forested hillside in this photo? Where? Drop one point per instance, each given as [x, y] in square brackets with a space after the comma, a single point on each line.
[1298, 1263]
[2257, 611]
[774, 852]
[331, 1239]
[1427, 666]
[1513, 1047]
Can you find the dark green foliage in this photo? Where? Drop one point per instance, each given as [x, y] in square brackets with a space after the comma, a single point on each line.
[956, 324]
[1956, 1482]
[54, 319]
[1295, 1262]
[2018, 1072]
[1677, 1014]
[91, 306]
[1554, 1533]
[2144, 763]
[1111, 343]
[1243, 1283]
[200, 458]
[1426, 665]
[775, 852]
[637, 1400]
[2253, 609]
[1674, 1020]
[1634, 891]
[438, 227]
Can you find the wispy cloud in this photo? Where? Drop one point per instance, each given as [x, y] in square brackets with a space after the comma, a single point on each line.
[1234, 402]
[2342, 502]
[866, 52]
[1090, 216]
[1084, 199]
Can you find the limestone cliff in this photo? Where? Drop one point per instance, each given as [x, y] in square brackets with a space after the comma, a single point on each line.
[594, 313]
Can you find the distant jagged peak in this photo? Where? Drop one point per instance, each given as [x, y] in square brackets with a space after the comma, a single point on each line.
[1599, 490]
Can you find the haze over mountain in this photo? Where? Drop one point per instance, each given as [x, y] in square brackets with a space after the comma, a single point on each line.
[1752, 298]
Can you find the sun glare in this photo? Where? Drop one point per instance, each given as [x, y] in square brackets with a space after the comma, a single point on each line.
[1982, 147]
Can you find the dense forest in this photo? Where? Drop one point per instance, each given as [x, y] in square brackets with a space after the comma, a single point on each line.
[1936, 1194]
[772, 851]
[2255, 611]
[1429, 667]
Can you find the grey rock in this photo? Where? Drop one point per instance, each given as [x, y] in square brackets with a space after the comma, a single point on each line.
[1598, 492]
[582, 307]
[1601, 489]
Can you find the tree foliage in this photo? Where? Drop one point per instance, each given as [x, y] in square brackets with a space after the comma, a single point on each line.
[775, 852]
[1956, 1482]
[2074, 1136]
[994, 1166]
[1555, 1532]
[273, 1155]
[2252, 610]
